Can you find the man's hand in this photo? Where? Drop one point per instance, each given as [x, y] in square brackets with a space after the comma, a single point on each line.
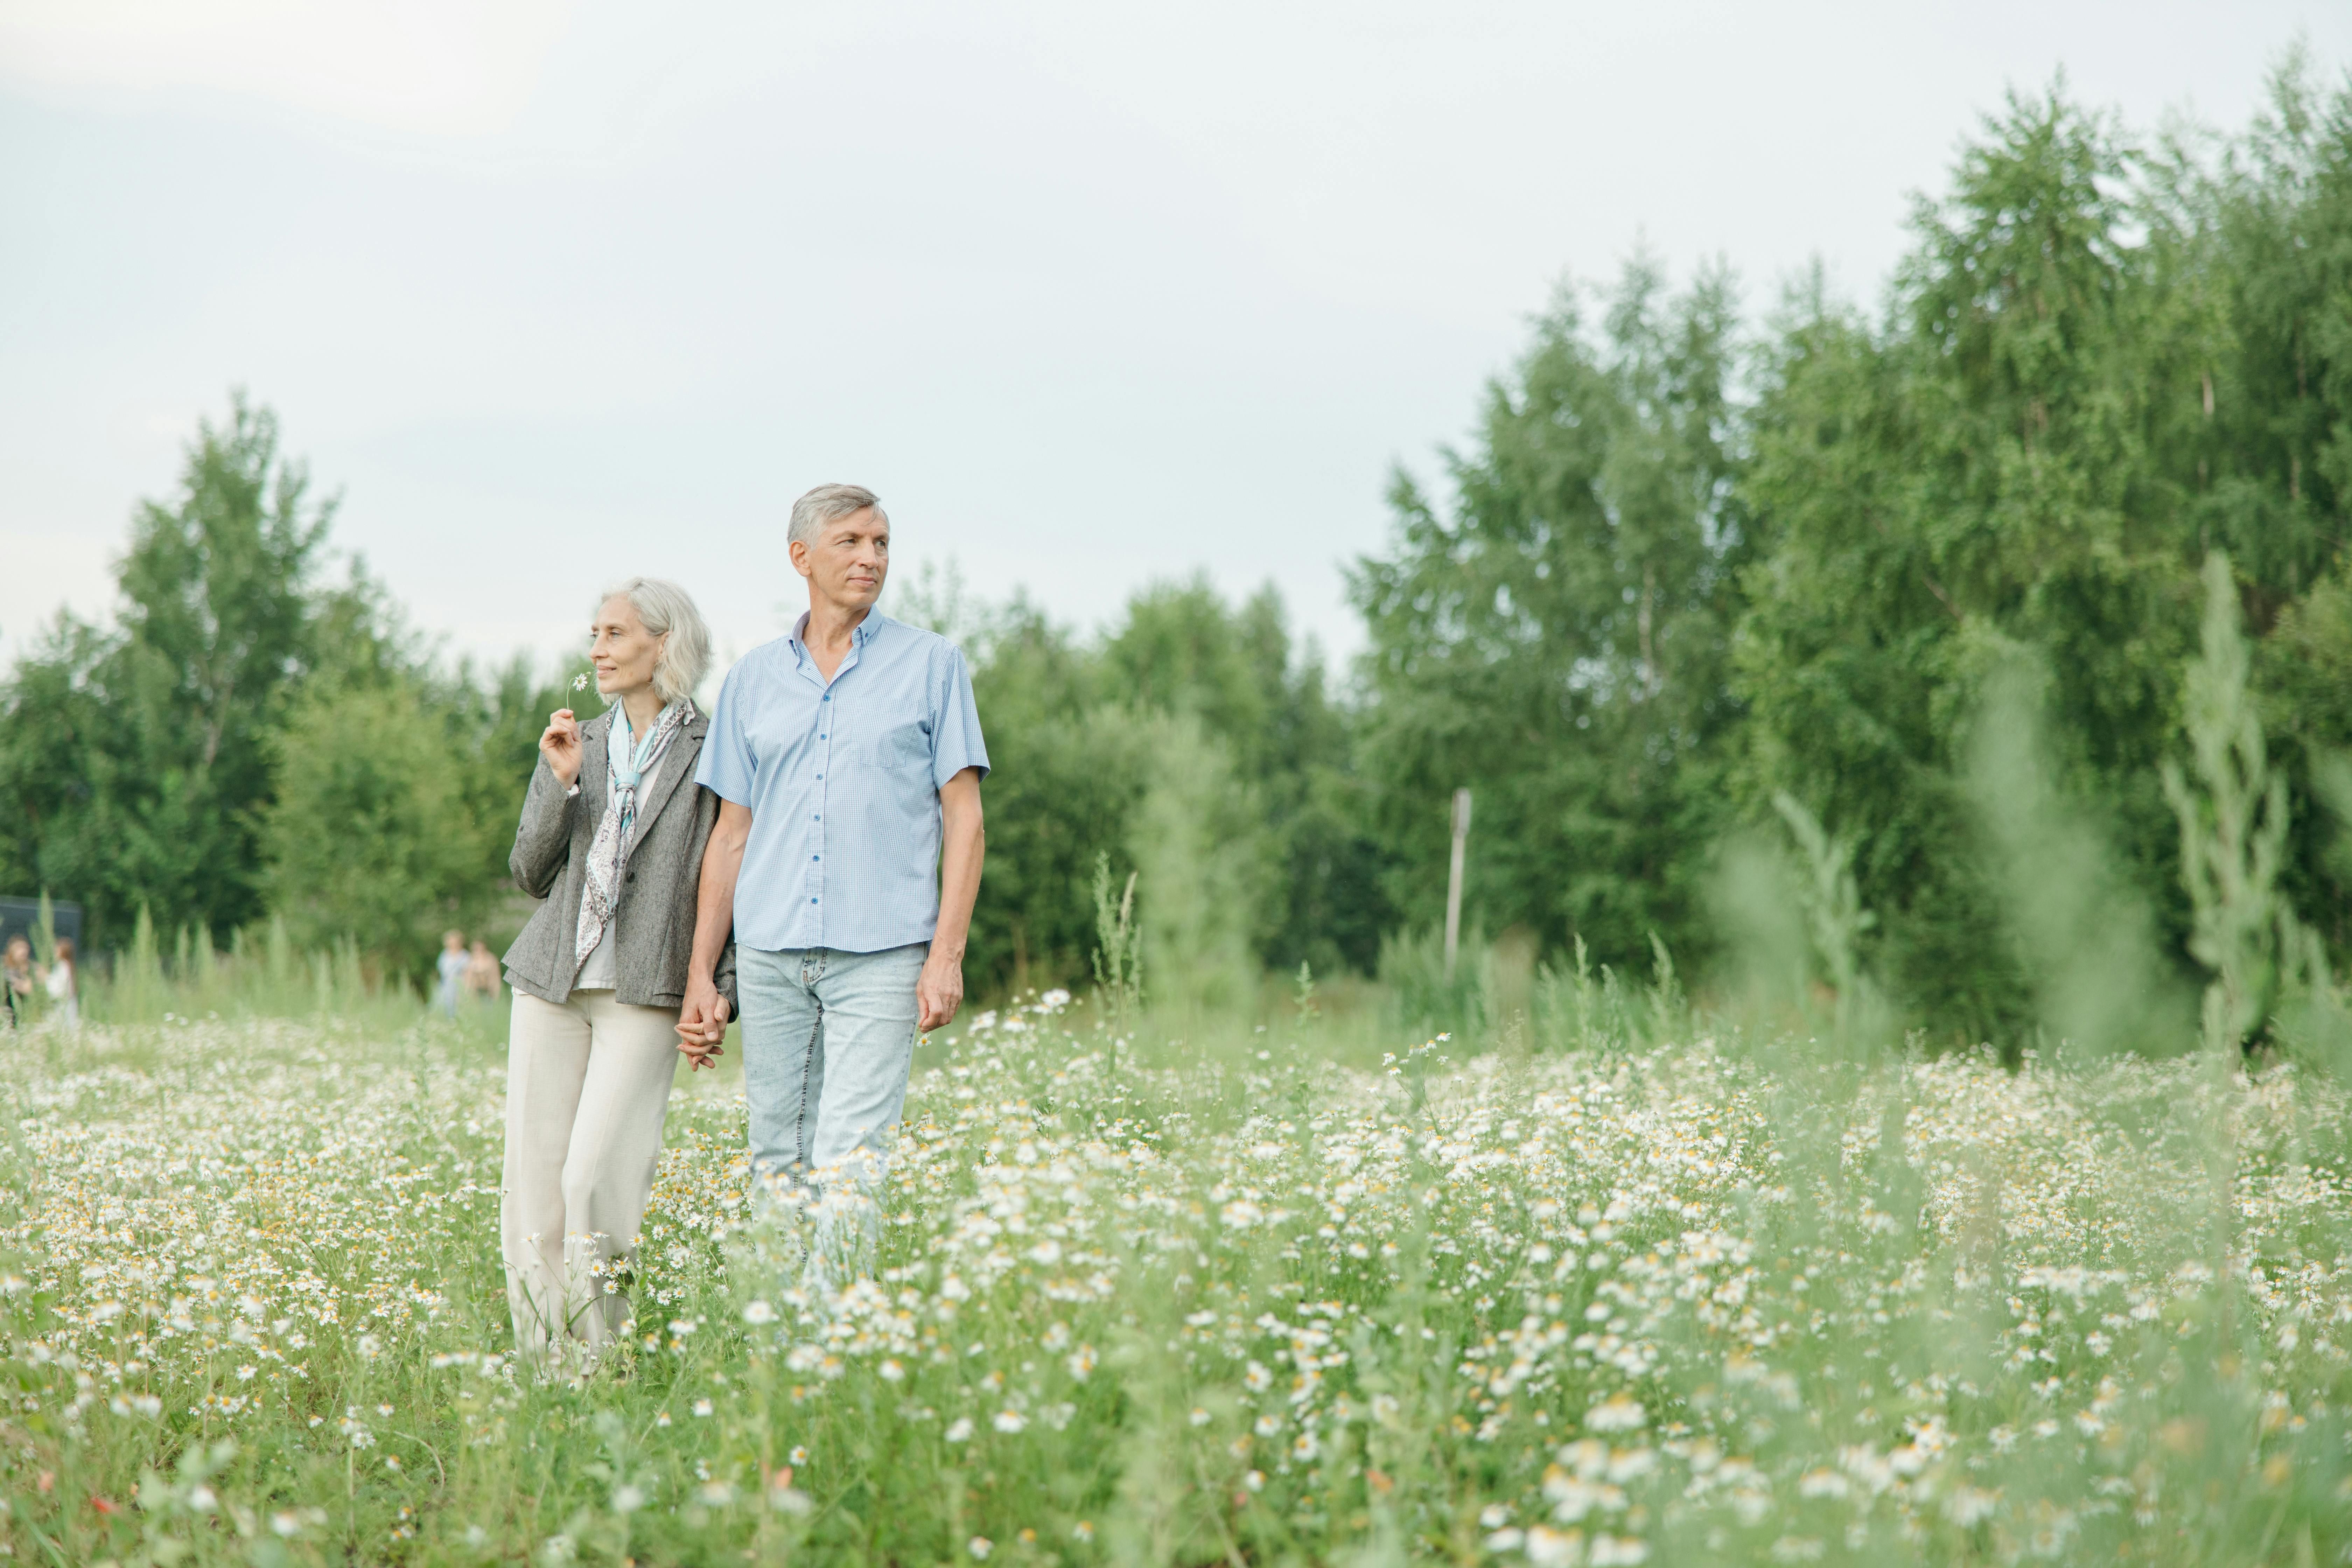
[702, 1023]
[938, 993]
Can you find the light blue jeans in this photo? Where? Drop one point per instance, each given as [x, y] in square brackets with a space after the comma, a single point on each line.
[828, 1039]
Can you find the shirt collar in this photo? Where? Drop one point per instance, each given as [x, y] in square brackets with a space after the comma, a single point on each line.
[859, 636]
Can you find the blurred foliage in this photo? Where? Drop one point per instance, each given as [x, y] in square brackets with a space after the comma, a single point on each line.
[1654, 610]
[2101, 361]
[371, 838]
[1189, 729]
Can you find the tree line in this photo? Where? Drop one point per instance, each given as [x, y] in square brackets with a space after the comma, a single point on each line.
[1692, 569]
[1697, 573]
[258, 735]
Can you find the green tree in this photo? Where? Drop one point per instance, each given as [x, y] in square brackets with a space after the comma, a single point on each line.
[2271, 444]
[371, 836]
[476, 731]
[492, 719]
[146, 760]
[1994, 470]
[1079, 732]
[2276, 438]
[1557, 644]
[2304, 671]
[1067, 769]
[138, 759]
[1316, 897]
[1198, 840]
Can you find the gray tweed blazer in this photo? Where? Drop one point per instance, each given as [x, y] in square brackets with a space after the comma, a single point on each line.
[653, 923]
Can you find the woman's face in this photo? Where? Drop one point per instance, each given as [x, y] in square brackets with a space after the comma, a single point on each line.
[20, 952]
[625, 652]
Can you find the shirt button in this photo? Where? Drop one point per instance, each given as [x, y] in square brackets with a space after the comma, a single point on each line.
[812, 901]
[828, 696]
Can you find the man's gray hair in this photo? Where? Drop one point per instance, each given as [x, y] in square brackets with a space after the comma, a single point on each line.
[830, 503]
[668, 609]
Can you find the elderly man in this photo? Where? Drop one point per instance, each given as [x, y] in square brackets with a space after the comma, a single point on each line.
[848, 760]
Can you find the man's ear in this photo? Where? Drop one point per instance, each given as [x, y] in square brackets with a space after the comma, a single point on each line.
[799, 552]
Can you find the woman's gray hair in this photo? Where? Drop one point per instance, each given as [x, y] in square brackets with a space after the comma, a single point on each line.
[830, 503]
[666, 609]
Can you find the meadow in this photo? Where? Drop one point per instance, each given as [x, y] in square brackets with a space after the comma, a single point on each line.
[1644, 1285]
[1497, 1263]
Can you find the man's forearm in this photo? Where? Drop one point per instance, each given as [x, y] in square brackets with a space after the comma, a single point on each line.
[960, 862]
[714, 900]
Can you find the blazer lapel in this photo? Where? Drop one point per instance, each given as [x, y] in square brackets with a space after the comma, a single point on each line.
[677, 765]
[594, 765]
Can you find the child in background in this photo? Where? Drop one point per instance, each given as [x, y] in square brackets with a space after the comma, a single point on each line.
[482, 972]
[451, 966]
[65, 989]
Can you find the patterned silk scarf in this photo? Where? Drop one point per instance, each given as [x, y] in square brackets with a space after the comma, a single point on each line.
[615, 835]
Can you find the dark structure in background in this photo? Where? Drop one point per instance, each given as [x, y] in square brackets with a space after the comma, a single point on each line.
[22, 917]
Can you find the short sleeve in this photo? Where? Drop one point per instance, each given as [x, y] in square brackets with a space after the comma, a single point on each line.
[728, 768]
[955, 733]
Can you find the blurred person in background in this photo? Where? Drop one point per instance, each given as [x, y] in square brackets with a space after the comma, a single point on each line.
[17, 977]
[482, 972]
[846, 861]
[65, 986]
[613, 832]
[451, 967]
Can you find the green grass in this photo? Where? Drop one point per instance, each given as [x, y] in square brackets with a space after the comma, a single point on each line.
[1245, 1296]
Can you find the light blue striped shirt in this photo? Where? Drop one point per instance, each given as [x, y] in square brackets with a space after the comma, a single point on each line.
[843, 784]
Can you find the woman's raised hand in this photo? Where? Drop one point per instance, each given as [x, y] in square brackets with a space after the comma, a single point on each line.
[560, 746]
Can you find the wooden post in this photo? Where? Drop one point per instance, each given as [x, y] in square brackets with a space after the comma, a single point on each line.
[1454, 878]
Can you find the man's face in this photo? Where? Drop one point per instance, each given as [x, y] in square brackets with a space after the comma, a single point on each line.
[848, 561]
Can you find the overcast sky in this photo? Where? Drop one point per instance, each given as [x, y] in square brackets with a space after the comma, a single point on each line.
[1090, 293]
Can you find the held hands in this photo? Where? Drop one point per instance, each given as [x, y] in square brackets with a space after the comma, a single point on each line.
[938, 993]
[702, 1020]
[560, 746]
[701, 1024]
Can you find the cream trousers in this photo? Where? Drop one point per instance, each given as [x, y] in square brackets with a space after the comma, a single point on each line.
[587, 1086]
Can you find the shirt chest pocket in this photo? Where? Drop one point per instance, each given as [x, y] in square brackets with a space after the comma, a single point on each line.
[903, 745]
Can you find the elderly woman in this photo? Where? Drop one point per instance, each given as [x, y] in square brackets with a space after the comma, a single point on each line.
[612, 837]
